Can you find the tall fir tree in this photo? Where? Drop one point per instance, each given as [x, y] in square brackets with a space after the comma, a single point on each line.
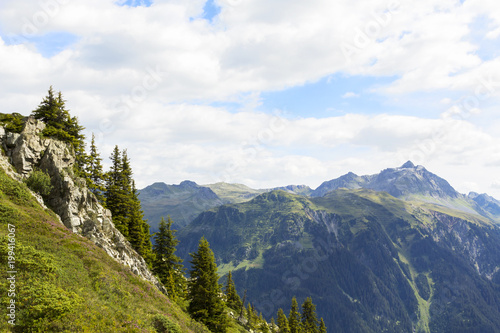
[166, 264]
[308, 318]
[116, 196]
[95, 180]
[322, 326]
[123, 201]
[233, 300]
[282, 322]
[204, 290]
[294, 317]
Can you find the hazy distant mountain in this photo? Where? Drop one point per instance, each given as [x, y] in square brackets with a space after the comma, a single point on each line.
[487, 205]
[297, 189]
[182, 202]
[403, 182]
[234, 193]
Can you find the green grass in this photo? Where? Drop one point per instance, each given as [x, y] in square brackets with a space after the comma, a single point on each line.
[65, 283]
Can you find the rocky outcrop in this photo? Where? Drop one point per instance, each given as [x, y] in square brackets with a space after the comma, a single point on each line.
[77, 207]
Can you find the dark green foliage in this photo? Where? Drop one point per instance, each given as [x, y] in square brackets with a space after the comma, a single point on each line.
[308, 318]
[164, 324]
[204, 294]
[294, 317]
[12, 122]
[95, 179]
[166, 265]
[282, 322]
[39, 182]
[62, 126]
[322, 326]
[233, 300]
[117, 192]
[123, 202]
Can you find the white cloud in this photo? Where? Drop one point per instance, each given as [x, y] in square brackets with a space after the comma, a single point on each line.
[350, 94]
[253, 47]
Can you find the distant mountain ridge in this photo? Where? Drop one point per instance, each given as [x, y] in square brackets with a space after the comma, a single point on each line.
[402, 182]
[182, 202]
[185, 201]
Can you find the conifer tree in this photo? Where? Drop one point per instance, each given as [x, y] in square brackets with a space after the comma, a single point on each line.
[309, 319]
[294, 317]
[233, 300]
[282, 322]
[166, 264]
[95, 180]
[204, 290]
[322, 326]
[116, 195]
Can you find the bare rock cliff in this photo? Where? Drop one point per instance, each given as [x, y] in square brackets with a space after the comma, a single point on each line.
[77, 207]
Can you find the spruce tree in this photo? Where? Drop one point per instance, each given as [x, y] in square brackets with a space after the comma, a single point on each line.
[282, 322]
[204, 290]
[233, 300]
[116, 195]
[309, 319]
[322, 326]
[95, 180]
[294, 317]
[166, 264]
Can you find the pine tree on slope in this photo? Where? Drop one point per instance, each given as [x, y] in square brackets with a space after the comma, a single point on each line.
[294, 317]
[308, 318]
[233, 300]
[204, 290]
[166, 264]
[95, 180]
[282, 322]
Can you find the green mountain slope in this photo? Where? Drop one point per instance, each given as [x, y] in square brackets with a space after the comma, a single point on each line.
[182, 202]
[65, 283]
[371, 262]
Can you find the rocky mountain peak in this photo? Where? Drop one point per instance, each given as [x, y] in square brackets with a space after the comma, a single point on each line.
[408, 165]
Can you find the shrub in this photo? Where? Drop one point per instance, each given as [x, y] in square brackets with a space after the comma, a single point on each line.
[163, 324]
[39, 182]
[12, 122]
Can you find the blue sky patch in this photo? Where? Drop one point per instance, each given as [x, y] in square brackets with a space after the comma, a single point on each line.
[210, 10]
[331, 96]
[53, 43]
[135, 3]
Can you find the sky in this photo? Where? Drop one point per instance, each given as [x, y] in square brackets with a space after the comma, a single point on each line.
[267, 92]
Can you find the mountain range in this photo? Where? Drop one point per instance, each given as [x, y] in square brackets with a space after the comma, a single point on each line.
[399, 251]
[184, 202]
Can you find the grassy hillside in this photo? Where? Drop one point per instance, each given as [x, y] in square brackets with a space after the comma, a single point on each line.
[64, 283]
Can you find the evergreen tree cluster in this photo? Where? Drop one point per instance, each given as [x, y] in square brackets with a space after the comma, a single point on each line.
[122, 199]
[305, 322]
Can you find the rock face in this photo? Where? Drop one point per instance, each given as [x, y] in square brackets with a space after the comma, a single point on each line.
[77, 207]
